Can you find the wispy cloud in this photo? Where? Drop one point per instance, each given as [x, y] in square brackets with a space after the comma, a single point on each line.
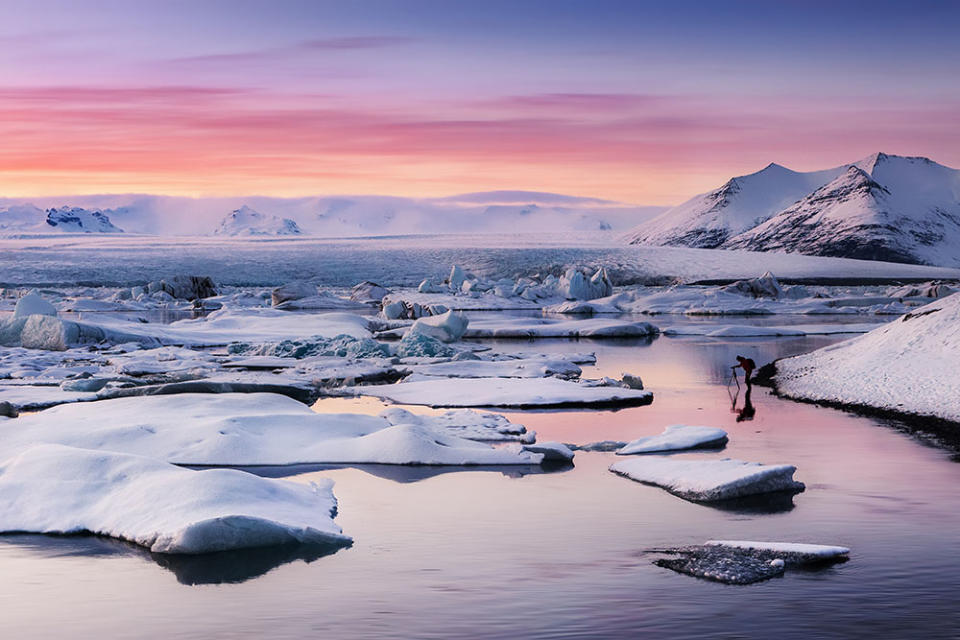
[295, 51]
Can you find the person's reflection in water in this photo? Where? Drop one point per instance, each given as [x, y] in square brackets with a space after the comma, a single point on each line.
[747, 411]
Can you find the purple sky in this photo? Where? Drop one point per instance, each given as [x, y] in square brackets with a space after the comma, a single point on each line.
[641, 102]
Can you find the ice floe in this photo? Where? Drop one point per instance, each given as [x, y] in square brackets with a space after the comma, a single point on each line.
[503, 392]
[743, 562]
[251, 429]
[168, 509]
[708, 480]
[676, 437]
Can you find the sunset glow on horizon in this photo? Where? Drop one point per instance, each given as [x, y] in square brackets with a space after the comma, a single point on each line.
[434, 99]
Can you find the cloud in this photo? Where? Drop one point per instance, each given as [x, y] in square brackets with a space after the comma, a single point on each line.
[295, 51]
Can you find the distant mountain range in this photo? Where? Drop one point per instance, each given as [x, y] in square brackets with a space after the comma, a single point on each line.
[333, 216]
[884, 207]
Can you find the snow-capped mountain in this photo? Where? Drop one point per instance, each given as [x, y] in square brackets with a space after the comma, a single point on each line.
[708, 220]
[249, 222]
[884, 207]
[27, 218]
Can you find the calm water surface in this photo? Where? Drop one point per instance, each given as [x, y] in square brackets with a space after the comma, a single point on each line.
[518, 553]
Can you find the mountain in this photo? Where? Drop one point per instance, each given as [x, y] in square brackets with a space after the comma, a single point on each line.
[27, 218]
[366, 215]
[706, 221]
[884, 207]
[79, 220]
[248, 222]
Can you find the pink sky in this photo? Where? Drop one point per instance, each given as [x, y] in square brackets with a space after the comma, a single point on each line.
[209, 103]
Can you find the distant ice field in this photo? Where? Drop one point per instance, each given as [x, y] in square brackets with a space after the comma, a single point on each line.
[401, 260]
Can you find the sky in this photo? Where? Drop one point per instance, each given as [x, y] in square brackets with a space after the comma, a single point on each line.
[640, 102]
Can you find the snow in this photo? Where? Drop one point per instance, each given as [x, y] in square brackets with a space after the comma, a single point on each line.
[709, 480]
[248, 222]
[714, 330]
[502, 392]
[676, 438]
[448, 327]
[906, 366]
[33, 304]
[168, 509]
[814, 550]
[248, 429]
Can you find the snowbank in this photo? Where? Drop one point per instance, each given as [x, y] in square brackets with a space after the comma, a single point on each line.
[708, 480]
[906, 366]
[168, 509]
[675, 438]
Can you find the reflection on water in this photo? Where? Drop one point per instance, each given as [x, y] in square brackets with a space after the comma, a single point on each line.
[209, 568]
[471, 555]
[408, 473]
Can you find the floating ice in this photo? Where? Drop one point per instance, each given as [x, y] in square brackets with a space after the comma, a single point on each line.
[168, 509]
[32, 304]
[708, 480]
[675, 438]
[504, 392]
[246, 429]
[448, 327]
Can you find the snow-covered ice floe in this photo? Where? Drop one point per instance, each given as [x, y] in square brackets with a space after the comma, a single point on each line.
[168, 509]
[745, 562]
[519, 368]
[676, 437]
[551, 328]
[256, 429]
[709, 480]
[907, 366]
[481, 426]
[503, 392]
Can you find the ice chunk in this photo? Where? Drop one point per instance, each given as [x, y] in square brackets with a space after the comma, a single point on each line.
[419, 345]
[504, 392]
[368, 292]
[766, 286]
[292, 291]
[708, 480]
[448, 327]
[342, 346]
[675, 438]
[429, 286]
[456, 277]
[168, 509]
[552, 451]
[546, 328]
[246, 429]
[32, 304]
[575, 285]
[738, 562]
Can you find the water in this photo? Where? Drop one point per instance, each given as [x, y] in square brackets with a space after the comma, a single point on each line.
[513, 553]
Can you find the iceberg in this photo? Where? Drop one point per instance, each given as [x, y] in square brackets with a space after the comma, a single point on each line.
[168, 509]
